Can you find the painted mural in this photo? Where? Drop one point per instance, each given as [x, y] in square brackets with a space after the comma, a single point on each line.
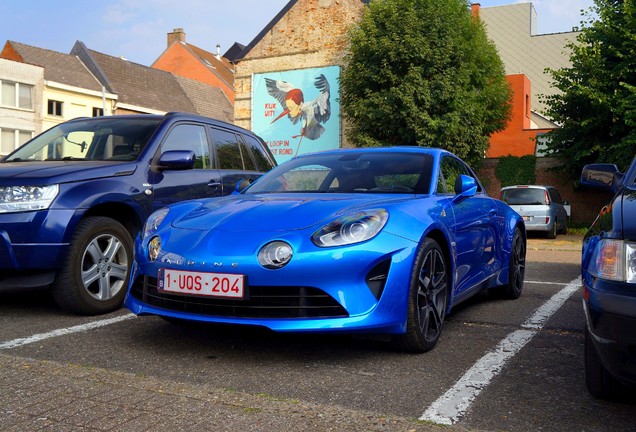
[297, 111]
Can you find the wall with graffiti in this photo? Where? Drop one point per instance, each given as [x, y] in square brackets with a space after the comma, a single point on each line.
[297, 111]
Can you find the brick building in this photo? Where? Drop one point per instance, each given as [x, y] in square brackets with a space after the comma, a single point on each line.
[184, 59]
[308, 34]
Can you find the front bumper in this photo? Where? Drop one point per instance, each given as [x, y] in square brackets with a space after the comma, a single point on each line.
[321, 290]
[610, 312]
[32, 245]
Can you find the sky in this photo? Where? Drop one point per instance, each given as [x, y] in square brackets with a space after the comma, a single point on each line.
[137, 29]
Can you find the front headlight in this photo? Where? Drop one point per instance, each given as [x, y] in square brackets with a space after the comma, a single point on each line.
[352, 228]
[153, 222]
[614, 260]
[27, 198]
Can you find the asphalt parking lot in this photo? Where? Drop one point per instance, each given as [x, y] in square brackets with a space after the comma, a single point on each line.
[118, 372]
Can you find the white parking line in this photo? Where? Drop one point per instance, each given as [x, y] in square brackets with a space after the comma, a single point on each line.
[453, 404]
[64, 331]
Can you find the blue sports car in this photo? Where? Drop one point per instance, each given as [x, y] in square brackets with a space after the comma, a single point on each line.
[382, 240]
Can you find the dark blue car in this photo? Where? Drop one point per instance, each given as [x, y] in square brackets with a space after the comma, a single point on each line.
[382, 240]
[73, 198]
[609, 282]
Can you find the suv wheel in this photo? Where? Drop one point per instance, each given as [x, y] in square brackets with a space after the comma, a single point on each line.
[600, 383]
[94, 275]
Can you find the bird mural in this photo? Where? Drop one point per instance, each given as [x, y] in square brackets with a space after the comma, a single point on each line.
[312, 114]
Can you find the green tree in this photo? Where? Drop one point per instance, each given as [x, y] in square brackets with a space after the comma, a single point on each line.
[597, 103]
[423, 72]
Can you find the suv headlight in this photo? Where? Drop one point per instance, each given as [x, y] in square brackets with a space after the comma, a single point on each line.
[614, 260]
[352, 228]
[27, 198]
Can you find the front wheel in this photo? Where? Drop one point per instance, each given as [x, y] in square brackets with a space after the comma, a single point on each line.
[428, 297]
[599, 382]
[94, 275]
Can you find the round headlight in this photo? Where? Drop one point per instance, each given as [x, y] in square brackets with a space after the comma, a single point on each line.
[154, 248]
[275, 255]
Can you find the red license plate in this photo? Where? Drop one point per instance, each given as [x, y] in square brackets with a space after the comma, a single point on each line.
[223, 285]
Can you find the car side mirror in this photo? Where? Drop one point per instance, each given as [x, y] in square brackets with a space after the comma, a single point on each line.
[176, 160]
[601, 176]
[465, 186]
[241, 185]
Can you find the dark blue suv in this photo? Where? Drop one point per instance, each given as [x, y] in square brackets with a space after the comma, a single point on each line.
[609, 283]
[73, 198]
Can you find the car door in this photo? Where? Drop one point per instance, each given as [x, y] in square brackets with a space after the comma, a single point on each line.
[233, 158]
[203, 181]
[473, 228]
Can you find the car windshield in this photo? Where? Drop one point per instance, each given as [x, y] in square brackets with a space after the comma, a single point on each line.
[350, 172]
[104, 138]
[523, 196]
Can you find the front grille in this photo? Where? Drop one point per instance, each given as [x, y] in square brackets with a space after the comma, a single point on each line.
[261, 302]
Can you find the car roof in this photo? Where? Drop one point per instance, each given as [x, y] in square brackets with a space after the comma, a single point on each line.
[395, 149]
[175, 115]
[528, 186]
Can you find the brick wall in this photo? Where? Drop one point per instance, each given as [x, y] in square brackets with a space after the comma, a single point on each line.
[313, 33]
[585, 203]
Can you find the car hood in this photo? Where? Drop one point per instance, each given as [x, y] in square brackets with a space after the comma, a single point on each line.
[276, 212]
[53, 172]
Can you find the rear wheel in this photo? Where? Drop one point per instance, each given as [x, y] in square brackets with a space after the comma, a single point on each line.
[553, 231]
[516, 269]
[94, 276]
[428, 297]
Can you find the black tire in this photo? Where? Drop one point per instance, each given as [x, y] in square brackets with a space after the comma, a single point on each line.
[564, 230]
[600, 383]
[553, 232]
[94, 276]
[516, 269]
[428, 297]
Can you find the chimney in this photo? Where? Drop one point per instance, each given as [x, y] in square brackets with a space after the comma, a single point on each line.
[218, 51]
[474, 9]
[177, 35]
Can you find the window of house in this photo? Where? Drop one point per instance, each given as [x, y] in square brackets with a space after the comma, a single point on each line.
[25, 96]
[98, 112]
[54, 108]
[10, 139]
[18, 95]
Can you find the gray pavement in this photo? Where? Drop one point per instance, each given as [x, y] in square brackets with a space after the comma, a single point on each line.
[45, 395]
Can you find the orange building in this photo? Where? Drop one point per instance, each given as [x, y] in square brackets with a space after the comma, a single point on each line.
[189, 61]
[520, 136]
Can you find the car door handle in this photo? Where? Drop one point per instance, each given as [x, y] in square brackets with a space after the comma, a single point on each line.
[214, 184]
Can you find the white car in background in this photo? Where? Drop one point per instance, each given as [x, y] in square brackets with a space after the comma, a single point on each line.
[541, 207]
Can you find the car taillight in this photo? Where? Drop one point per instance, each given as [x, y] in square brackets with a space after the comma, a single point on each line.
[547, 198]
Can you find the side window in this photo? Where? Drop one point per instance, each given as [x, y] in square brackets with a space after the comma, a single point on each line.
[555, 196]
[230, 152]
[189, 137]
[262, 160]
[441, 187]
[451, 168]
